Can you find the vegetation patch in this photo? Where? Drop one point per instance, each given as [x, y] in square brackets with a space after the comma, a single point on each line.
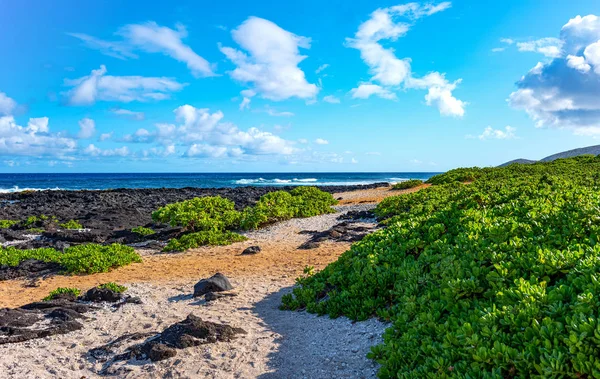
[499, 278]
[62, 291]
[5, 224]
[117, 288]
[407, 184]
[204, 238]
[72, 225]
[142, 231]
[81, 259]
[200, 213]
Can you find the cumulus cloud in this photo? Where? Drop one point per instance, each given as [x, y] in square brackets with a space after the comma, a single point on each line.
[321, 68]
[366, 90]
[126, 113]
[550, 47]
[272, 112]
[94, 151]
[563, 92]
[105, 136]
[491, 133]
[34, 139]
[87, 128]
[321, 141]
[7, 105]
[245, 104]
[153, 38]
[391, 72]
[270, 61]
[101, 87]
[331, 99]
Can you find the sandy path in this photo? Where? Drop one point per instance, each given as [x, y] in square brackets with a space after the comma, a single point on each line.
[279, 344]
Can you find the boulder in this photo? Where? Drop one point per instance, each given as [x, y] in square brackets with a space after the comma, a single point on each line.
[251, 250]
[216, 283]
[98, 294]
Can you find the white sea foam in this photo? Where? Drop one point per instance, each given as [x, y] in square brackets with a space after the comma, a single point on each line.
[18, 189]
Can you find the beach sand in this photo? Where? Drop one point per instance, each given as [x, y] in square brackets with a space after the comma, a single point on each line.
[278, 344]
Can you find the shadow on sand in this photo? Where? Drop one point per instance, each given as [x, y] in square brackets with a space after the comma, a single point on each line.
[317, 347]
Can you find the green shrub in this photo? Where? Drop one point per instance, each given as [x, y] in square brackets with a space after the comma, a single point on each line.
[81, 259]
[36, 230]
[463, 175]
[71, 224]
[499, 278]
[203, 238]
[60, 291]
[281, 205]
[39, 221]
[113, 287]
[201, 213]
[407, 184]
[142, 231]
[5, 224]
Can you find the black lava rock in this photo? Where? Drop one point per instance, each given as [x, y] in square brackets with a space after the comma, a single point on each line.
[216, 283]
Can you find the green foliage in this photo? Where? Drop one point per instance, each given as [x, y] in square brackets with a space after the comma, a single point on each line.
[81, 259]
[5, 224]
[282, 205]
[203, 238]
[142, 231]
[200, 214]
[71, 224]
[60, 291]
[498, 278]
[407, 184]
[36, 230]
[39, 221]
[463, 175]
[113, 287]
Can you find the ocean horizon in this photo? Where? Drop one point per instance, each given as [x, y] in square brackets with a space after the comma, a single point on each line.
[101, 181]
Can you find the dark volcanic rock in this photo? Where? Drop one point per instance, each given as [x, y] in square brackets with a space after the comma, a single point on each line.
[98, 294]
[75, 236]
[212, 296]
[346, 231]
[309, 245]
[192, 331]
[251, 250]
[28, 268]
[216, 283]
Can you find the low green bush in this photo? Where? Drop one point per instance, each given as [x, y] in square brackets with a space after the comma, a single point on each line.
[201, 213]
[39, 221]
[282, 205]
[407, 184]
[60, 291]
[113, 287]
[142, 231]
[5, 224]
[203, 238]
[80, 259]
[463, 175]
[71, 224]
[495, 279]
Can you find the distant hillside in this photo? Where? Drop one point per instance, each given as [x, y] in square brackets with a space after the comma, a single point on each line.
[593, 150]
[520, 161]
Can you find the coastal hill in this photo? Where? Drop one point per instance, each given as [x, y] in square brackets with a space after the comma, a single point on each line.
[593, 150]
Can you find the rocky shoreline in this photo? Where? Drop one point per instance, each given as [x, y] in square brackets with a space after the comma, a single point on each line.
[108, 216]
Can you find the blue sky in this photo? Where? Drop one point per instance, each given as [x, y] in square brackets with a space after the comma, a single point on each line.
[294, 86]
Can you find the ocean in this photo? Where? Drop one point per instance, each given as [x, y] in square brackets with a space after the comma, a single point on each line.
[22, 182]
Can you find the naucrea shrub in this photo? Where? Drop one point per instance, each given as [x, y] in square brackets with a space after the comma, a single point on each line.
[407, 184]
[200, 213]
[498, 278]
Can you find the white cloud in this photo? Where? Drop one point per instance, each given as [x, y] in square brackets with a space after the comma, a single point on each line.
[101, 87]
[105, 136]
[33, 140]
[245, 104]
[197, 150]
[390, 71]
[97, 152]
[354, 161]
[139, 116]
[303, 140]
[139, 136]
[498, 49]
[7, 105]
[549, 47]
[272, 112]
[87, 128]
[564, 92]
[508, 41]
[373, 153]
[115, 49]
[153, 38]
[321, 68]
[331, 99]
[270, 65]
[321, 141]
[365, 90]
[491, 133]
